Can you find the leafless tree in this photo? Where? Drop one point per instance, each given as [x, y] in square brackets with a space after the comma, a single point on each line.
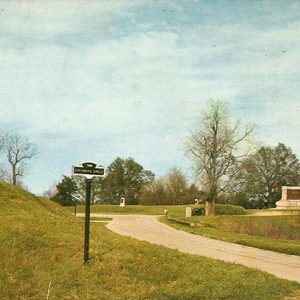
[51, 192]
[96, 188]
[2, 143]
[176, 184]
[215, 147]
[19, 151]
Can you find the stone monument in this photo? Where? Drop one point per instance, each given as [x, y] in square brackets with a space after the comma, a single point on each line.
[290, 198]
[122, 203]
[188, 212]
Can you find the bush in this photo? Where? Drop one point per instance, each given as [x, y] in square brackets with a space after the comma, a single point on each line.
[229, 210]
[198, 212]
[221, 209]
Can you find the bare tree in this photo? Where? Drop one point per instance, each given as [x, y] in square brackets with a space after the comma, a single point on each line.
[177, 185]
[2, 141]
[2, 144]
[96, 188]
[19, 151]
[214, 148]
[264, 172]
[51, 192]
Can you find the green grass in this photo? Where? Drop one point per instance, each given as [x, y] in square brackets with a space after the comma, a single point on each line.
[133, 209]
[100, 219]
[222, 209]
[157, 209]
[276, 233]
[41, 243]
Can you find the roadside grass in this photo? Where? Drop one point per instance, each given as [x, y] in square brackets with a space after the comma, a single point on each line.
[133, 209]
[102, 219]
[273, 212]
[41, 243]
[275, 233]
[177, 210]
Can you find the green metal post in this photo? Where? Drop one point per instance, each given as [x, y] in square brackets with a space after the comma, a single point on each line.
[87, 220]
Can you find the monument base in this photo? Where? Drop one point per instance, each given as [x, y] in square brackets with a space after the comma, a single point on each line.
[290, 198]
[288, 204]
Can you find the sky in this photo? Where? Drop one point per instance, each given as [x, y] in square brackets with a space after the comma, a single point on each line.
[96, 80]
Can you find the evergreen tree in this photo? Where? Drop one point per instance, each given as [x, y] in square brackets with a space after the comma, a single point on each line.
[67, 191]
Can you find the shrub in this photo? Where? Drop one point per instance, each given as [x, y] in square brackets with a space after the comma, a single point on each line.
[229, 210]
[198, 212]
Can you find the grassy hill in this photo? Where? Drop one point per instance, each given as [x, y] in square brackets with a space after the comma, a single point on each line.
[41, 243]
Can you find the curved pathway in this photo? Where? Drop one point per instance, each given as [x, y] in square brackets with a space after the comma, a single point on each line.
[148, 228]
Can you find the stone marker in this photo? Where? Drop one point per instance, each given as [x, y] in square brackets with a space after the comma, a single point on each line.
[188, 212]
[166, 213]
[122, 203]
[196, 201]
[290, 198]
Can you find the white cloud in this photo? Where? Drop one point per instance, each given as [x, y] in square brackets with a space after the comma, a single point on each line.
[140, 92]
[29, 18]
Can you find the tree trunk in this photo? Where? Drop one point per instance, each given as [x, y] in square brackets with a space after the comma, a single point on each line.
[14, 175]
[269, 199]
[210, 208]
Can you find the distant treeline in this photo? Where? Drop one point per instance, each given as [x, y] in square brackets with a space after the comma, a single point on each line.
[127, 178]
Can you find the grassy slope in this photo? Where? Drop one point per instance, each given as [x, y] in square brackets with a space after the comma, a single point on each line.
[41, 243]
[276, 233]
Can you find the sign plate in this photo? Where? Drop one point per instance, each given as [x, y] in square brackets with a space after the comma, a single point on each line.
[89, 169]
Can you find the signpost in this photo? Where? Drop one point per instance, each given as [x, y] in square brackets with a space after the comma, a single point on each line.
[88, 170]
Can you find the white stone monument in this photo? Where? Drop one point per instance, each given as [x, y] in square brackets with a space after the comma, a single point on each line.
[188, 212]
[290, 198]
[122, 203]
[196, 201]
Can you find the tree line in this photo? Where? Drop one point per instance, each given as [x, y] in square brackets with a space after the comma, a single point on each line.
[229, 167]
[16, 152]
[258, 180]
[127, 178]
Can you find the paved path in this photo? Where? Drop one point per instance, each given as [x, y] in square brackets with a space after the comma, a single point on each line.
[147, 228]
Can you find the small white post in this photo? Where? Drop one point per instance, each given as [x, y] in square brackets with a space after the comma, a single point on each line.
[188, 212]
[122, 203]
[48, 292]
[166, 213]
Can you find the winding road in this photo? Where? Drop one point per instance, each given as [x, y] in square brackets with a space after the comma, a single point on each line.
[148, 228]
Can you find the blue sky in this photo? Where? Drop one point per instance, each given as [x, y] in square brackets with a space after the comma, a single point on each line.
[93, 80]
